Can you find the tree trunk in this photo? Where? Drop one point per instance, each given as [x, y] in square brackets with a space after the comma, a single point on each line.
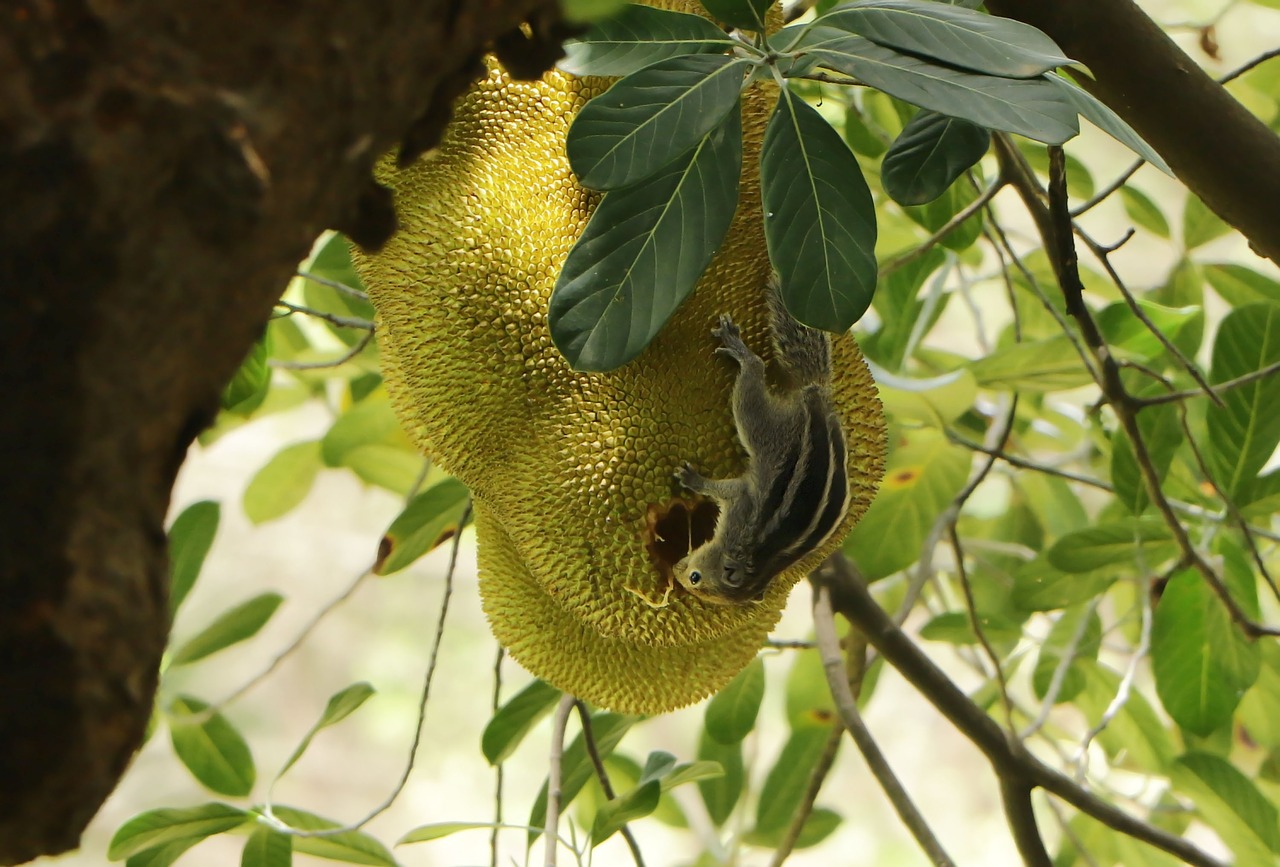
[163, 167]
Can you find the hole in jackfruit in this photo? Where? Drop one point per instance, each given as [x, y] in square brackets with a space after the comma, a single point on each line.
[673, 530]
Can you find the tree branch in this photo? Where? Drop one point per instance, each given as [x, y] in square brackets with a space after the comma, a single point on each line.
[1224, 154]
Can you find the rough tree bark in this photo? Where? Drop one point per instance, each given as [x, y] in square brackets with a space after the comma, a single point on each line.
[163, 167]
[1223, 154]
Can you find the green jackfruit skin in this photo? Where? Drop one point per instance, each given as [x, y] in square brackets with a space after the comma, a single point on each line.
[565, 465]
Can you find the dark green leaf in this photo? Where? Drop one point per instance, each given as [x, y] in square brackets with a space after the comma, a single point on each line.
[731, 714]
[720, 794]
[212, 749]
[349, 847]
[638, 36]
[932, 151]
[231, 627]
[190, 537]
[863, 138]
[1244, 433]
[248, 387]
[1078, 630]
[156, 828]
[649, 119]
[1144, 212]
[920, 479]
[1141, 542]
[1031, 107]
[951, 34]
[430, 519]
[283, 483]
[267, 847]
[515, 718]
[1199, 224]
[1239, 285]
[643, 251]
[576, 767]
[788, 779]
[635, 804]
[1108, 121]
[1202, 664]
[341, 705]
[747, 14]
[820, 221]
[1231, 805]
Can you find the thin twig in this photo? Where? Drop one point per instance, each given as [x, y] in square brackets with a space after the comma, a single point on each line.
[1257, 61]
[949, 226]
[1218, 389]
[975, 623]
[351, 353]
[554, 794]
[331, 318]
[805, 808]
[1008, 757]
[589, 740]
[780, 644]
[838, 682]
[334, 284]
[1067, 659]
[432, 659]
[1107, 191]
[497, 768]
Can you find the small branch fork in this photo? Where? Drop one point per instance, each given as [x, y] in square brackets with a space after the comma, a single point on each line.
[1019, 772]
[1053, 220]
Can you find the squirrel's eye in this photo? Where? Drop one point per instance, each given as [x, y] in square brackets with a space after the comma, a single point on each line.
[695, 577]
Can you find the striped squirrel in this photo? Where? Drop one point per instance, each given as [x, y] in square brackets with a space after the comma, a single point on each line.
[795, 490]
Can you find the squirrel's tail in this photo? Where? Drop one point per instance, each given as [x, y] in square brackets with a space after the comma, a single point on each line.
[803, 352]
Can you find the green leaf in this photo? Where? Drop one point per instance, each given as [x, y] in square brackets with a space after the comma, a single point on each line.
[267, 847]
[341, 705]
[190, 538]
[1259, 712]
[642, 252]
[1144, 212]
[720, 794]
[283, 483]
[1141, 542]
[1239, 285]
[1244, 433]
[935, 214]
[349, 847]
[932, 151]
[639, 36]
[647, 120]
[212, 749]
[935, 401]
[1030, 107]
[1041, 366]
[951, 34]
[576, 767]
[392, 467]
[788, 779]
[1127, 333]
[437, 830]
[1074, 622]
[901, 309]
[587, 11]
[1200, 225]
[156, 828]
[1231, 805]
[162, 856]
[1202, 664]
[920, 480]
[430, 519]
[692, 772]
[808, 697]
[248, 387]
[1039, 586]
[820, 825]
[370, 421]
[231, 627]
[956, 627]
[747, 14]
[1098, 114]
[820, 221]
[635, 804]
[515, 718]
[731, 713]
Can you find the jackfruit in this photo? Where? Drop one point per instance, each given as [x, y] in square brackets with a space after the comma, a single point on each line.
[578, 516]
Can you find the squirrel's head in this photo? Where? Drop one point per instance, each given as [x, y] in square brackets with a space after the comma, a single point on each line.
[713, 576]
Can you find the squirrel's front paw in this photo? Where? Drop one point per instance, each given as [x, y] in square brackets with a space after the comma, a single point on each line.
[730, 337]
[688, 476]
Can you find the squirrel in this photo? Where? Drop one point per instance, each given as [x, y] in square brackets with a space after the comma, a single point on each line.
[795, 490]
